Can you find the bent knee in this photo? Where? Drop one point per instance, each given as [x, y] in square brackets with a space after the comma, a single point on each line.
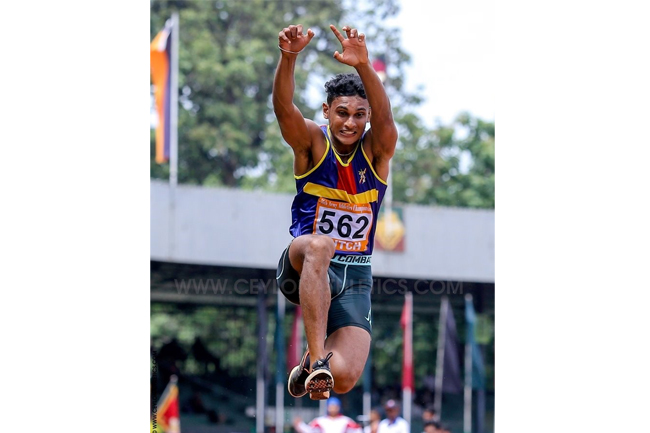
[320, 246]
[344, 383]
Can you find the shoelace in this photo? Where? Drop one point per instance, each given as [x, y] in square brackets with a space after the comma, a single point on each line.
[322, 362]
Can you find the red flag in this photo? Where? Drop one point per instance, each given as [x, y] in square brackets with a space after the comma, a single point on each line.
[379, 65]
[406, 321]
[167, 411]
[294, 349]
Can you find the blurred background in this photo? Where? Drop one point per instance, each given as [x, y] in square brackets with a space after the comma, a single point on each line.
[222, 340]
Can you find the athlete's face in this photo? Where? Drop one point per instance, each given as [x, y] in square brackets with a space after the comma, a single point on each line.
[347, 116]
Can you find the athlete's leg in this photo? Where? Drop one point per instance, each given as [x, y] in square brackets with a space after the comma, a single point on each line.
[310, 256]
[350, 346]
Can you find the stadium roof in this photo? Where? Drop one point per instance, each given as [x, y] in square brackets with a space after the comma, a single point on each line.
[238, 228]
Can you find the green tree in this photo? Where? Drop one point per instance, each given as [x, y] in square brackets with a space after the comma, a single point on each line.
[227, 132]
[228, 135]
[477, 185]
[226, 63]
[448, 165]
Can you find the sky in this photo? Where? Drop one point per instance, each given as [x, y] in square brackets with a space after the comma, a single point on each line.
[451, 44]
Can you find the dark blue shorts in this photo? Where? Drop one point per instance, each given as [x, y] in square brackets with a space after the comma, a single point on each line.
[350, 279]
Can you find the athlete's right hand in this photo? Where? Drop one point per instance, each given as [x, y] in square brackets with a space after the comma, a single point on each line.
[292, 39]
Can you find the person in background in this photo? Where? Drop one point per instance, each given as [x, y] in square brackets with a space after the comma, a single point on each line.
[333, 422]
[432, 427]
[429, 414]
[393, 422]
[373, 425]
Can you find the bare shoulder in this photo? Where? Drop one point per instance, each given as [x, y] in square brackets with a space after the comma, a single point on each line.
[379, 152]
[306, 157]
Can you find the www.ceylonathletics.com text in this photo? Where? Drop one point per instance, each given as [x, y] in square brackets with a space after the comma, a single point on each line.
[254, 286]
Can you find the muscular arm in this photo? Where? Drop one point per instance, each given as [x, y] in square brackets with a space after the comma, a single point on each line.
[383, 132]
[296, 130]
[382, 126]
[292, 124]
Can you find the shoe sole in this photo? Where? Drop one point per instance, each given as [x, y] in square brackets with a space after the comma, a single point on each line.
[295, 370]
[319, 384]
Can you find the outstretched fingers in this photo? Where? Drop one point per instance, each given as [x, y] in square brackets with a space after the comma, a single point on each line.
[338, 34]
[350, 32]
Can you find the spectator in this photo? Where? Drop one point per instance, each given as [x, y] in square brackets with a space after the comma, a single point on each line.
[373, 425]
[333, 422]
[429, 414]
[203, 356]
[393, 423]
[432, 427]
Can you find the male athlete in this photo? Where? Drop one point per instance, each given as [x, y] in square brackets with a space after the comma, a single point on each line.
[340, 171]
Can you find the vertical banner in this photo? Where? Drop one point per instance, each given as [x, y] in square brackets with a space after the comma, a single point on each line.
[295, 347]
[448, 372]
[160, 53]
[475, 369]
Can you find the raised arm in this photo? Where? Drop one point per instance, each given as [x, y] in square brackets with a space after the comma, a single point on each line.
[383, 131]
[293, 125]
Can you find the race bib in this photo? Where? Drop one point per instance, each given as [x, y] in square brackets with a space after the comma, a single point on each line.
[348, 224]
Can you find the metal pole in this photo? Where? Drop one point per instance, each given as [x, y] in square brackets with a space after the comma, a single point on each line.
[367, 373]
[173, 105]
[260, 403]
[280, 373]
[322, 407]
[440, 355]
[467, 416]
[173, 135]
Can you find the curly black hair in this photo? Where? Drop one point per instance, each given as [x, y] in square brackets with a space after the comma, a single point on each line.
[344, 85]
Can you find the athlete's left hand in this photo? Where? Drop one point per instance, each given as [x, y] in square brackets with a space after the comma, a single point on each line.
[355, 52]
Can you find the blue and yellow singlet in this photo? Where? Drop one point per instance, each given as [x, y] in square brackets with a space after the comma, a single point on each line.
[339, 200]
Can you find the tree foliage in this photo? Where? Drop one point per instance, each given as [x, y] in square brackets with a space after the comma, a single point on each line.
[449, 165]
[228, 135]
[227, 132]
